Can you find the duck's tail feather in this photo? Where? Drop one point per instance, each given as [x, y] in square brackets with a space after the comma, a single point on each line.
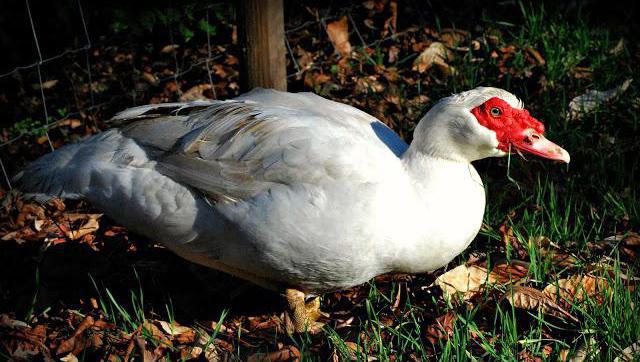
[52, 175]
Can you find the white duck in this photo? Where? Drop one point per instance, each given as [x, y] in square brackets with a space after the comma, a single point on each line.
[294, 191]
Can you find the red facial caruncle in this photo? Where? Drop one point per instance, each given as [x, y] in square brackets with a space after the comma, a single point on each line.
[516, 128]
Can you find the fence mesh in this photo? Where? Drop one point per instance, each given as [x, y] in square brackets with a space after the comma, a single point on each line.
[92, 102]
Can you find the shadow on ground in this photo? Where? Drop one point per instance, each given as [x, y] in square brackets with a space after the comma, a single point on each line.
[34, 278]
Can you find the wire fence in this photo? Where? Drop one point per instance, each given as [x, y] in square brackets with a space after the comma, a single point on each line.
[205, 63]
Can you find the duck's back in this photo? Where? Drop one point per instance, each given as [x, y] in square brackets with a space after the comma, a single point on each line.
[269, 184]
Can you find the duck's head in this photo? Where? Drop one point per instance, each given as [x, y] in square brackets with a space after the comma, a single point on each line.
[482, 122]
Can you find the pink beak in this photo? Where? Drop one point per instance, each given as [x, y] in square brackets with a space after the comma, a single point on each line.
[533, 142]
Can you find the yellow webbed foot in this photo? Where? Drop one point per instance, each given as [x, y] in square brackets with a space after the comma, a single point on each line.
[303, 316]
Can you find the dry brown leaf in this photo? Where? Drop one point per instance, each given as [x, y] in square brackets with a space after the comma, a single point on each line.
[305, 58]
[48, 84]
[576, 288]
[582, 72]
[174, 328]
[551, 251]
[370, 84]
[195, 93]
[70, 122]
[369, 4]
[338, 32]
[510, 241]
[147, 356]
[629, 354]
[618, 48]
[150, 78]
[88, 227]
[156, 333]
[393, 54]
[587, 102]
[73, 217]
[453, 37]
[537, 56]
[436, 54]
[180, 333]
[531, 299]
[69, 358]
[442, 328]
[392, 21]
[629, 244]
[169, 48]
[287, 353]
[464, 280]
[78, 340]
[22, 341]
[586, 351]
[512, 272]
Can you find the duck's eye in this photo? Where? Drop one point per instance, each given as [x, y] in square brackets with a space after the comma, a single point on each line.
[495, 111]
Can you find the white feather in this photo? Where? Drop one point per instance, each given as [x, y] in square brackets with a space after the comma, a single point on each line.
[286, 189]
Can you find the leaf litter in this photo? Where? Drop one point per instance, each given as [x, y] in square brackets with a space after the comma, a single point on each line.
[409, 57]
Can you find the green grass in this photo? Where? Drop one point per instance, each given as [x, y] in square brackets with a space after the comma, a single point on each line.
[571, 206]
[574, 206]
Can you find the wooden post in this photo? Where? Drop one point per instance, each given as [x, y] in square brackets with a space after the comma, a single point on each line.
[261, 30]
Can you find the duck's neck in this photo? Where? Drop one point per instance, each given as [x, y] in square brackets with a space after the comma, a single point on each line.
[424, 167]
[446, 211]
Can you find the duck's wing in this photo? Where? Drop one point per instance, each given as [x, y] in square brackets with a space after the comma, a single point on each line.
[233, 150]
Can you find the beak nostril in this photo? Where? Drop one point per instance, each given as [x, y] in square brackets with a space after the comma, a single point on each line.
[535, 136]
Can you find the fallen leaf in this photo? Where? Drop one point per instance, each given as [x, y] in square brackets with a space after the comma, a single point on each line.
[369, 4]
[551, 251]
[618, 48]
[586, 351]
[531, 299]
[180, 333]
[77, 341]
[393, 54]
[150, 78]
[629, 354]
[628, 243]
[442, 328]
[391, 22]
[207, 345]
[510, 241]
[509, 273]
[453, 37]
[305, 58]
[338, 32]
[169, 48]
[46, 84]
[587, 102]
[537, 56]
[288, 353]
[467, 281]
[195, 93]
[576, 288]
[367, 85]
[147, 356]
[70, 122]
[463, 280]
[69, 358]
[436, 54]
[582, 72]
[88, 227]
[157, 334]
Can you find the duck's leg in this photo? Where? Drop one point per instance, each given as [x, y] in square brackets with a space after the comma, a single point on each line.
[304, 315]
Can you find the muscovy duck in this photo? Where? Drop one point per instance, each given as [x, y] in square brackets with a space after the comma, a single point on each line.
[296, 192]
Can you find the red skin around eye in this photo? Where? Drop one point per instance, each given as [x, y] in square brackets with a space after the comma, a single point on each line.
[509, 126]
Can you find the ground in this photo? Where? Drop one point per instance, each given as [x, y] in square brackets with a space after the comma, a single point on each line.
[551, 276]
